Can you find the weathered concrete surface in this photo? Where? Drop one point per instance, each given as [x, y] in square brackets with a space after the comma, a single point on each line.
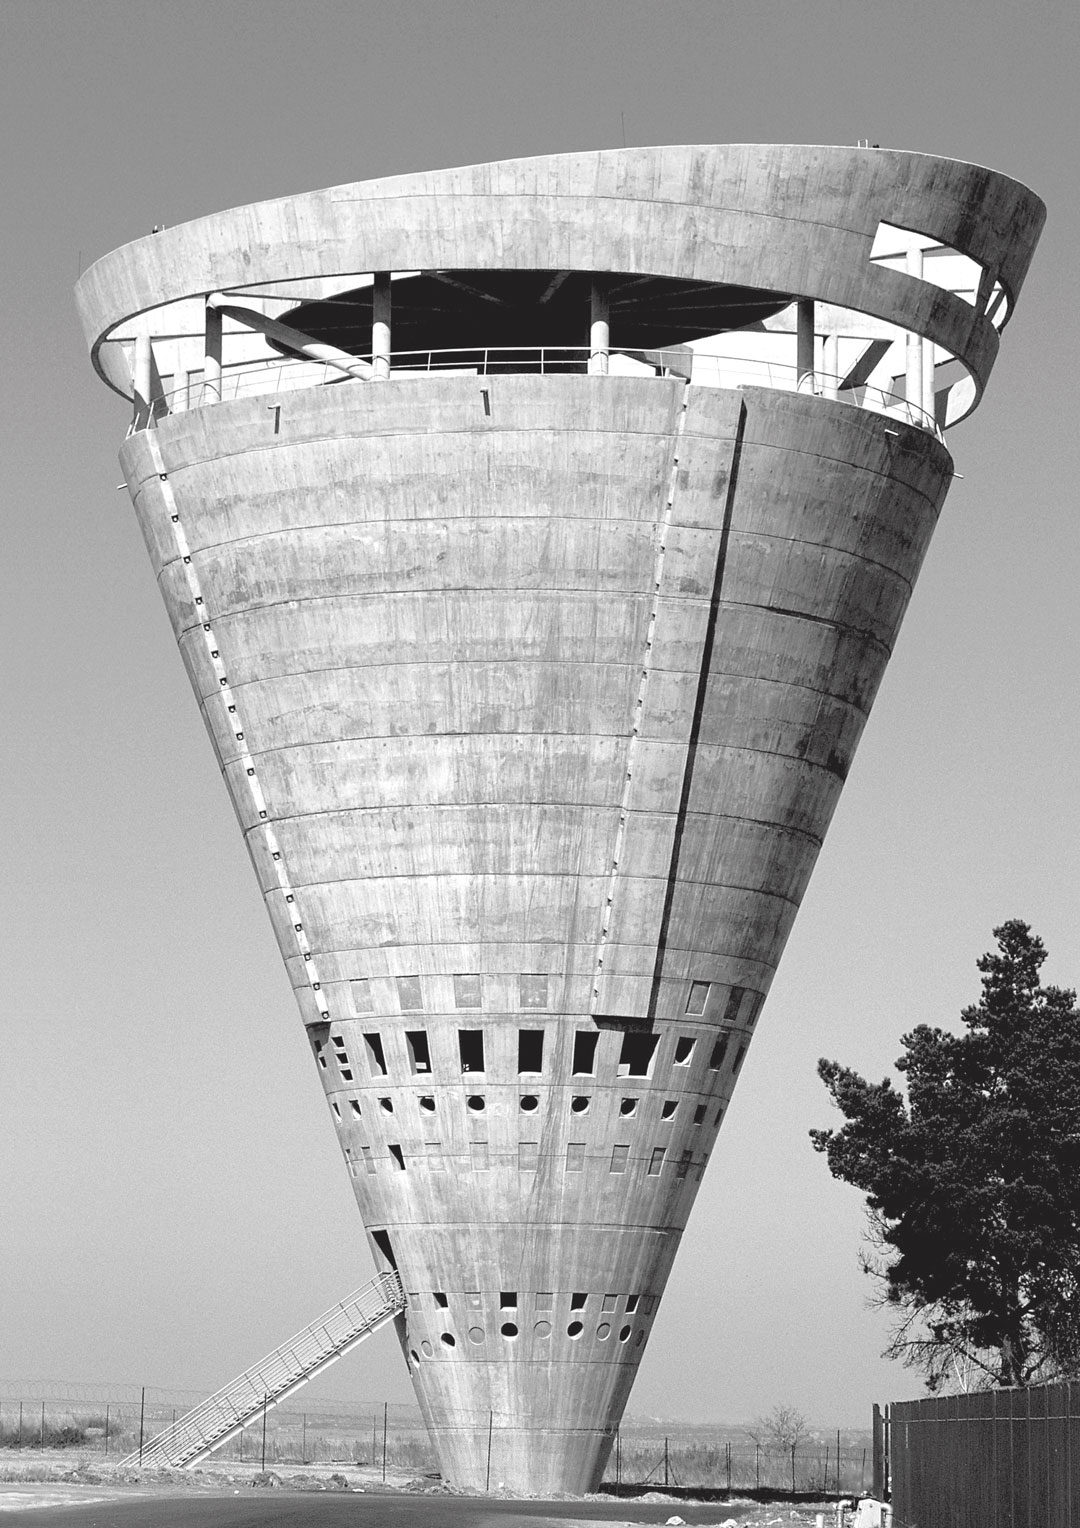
[436, 625]
[534, 696]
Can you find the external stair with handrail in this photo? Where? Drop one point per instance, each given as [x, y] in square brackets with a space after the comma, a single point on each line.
[265, 1385]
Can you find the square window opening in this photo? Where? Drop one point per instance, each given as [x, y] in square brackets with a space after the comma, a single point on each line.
[440, 1299]
[467, 990]
[638, 1050]
[545, 1300]
[577, 1301]
[609, 1303]
[508, 1299]
[533, 991]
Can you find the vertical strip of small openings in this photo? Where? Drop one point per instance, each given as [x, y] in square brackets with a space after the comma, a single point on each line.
[530, 1052]
[419, 1051]
[638, 1050]
[376, 1059]
[585, 1043]
[471, 1049]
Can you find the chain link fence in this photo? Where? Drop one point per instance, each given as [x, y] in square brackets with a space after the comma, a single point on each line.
[390, 1438]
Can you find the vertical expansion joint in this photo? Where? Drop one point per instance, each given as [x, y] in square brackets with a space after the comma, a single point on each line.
[249, 778]
[663, 531]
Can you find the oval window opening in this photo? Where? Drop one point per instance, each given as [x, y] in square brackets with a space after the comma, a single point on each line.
[476, 1334]
[529, 1103]
[448, 1340]
[574, 1329]
[508, 1329]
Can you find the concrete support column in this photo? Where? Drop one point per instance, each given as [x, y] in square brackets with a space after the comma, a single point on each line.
[144, 366]
[804, 345]
[913, 387]
[599, 330]
[830, 366]
[380, 327]
[212, 356]
[928, 400]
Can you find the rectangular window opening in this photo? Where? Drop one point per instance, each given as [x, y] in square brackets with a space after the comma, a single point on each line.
[699, 1113]
[638, 1050]
[740, 1056]
[699, 996]
[369, 1160]
[337, 1111]
[609, 1303]
[440, 1299]
[508, 1299]
[467, 990]
[530, 1050]
[376, 1059]
[360, 995]
[533, 991]
[684, 1049]
[419, 1052]
[354, 1105]
[575, 1156]
[434, 1156]
[398, 1156]
[632, 1304]
[410, 995]
[577, 1301]
[734, 1003]
[656, 1161]
[719, 1051]
[471, 1049]
[684, 1165]
[619, 1155]
[479, 1153]
[585, 1043]
[528, 1156]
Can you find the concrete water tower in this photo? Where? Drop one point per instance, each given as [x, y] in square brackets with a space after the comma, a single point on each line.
[535, 535]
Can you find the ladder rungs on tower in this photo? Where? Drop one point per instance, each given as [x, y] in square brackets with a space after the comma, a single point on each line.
[228, 1411]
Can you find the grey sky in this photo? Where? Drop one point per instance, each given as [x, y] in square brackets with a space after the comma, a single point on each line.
[172, 1199]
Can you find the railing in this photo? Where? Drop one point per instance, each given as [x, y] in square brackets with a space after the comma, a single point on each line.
[277, 1376]
[269, 378]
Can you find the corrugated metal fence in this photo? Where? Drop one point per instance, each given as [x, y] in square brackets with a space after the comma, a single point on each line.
[996, 1459]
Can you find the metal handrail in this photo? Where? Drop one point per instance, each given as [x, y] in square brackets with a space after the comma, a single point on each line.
[269, 378]
[223, 1414]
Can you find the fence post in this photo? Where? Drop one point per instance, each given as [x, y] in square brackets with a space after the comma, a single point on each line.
[266, 1399]
[618, 1459]
[303, 1441]
[487, 1481]
[41, 1440]
[839, 1487]
[757, 1466]
[665, 1462]
[20, 1423]
[385, 1407]
[142, 1418]
[106, 1429]
[793, 1469]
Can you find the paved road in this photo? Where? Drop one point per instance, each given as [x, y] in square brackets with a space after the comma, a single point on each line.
[282, 1509]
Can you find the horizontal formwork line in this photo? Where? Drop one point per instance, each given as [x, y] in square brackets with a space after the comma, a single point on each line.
[417, 429]
[540, 875]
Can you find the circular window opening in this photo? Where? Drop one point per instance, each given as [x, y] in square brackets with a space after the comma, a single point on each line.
[542, 1329]
[476, 1103]
[428, 1350]
[529, 1103]
[625, 1333]
[603, 1331]
[574, 1329]
[476, 1334]
[448, 1340]
[415, 1355]
[580, 1105]
[508, 1329]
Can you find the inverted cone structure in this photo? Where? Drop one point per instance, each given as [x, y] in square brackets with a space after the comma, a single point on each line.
[535, 600]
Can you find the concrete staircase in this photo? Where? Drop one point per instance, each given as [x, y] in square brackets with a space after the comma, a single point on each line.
[227, 1412]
